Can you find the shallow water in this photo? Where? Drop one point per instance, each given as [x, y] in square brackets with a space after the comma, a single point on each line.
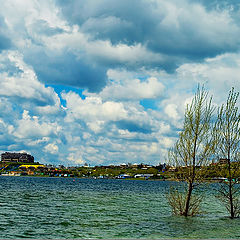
[32, 207]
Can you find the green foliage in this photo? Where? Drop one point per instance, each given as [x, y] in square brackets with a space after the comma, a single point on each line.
[193, 148]
[227, 129]
[227, 135]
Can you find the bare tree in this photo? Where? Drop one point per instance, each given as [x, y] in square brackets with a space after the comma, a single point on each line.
[192, 151]
[227, 134]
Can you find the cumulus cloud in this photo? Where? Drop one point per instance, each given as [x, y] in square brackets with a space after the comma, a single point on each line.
[133, 89]
[220, 72]
[19, 80]
[75, 158]
[30, 127]
[75, 43]
[51, 148]
[93, 108]
[87, 83]
[173, 27]
[171, 111]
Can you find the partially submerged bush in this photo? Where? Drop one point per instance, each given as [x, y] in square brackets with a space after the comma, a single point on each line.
[231, 202]
[177, 200]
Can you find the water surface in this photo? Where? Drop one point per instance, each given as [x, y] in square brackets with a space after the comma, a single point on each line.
[32, 207]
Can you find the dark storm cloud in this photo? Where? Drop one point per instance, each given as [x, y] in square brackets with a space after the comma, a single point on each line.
[119, 21]
[67, 69]
[13, 74]
[130, 35]
[180, 29]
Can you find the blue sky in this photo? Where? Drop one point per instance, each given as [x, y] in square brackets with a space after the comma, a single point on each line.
[107, 81]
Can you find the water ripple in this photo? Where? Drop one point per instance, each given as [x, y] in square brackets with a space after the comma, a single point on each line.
[53, 208]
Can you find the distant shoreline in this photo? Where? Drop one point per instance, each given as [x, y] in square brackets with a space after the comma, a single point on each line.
[127, 179]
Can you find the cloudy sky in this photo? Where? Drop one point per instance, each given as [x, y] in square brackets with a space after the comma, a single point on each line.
[106, 81]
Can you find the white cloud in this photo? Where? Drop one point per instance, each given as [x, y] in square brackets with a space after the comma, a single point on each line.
[38, 141]
[110, 126]
[166, 142]
[102, 52]
[23, 82]
[30, 127]
[51, 148]
[93, 108]
[132, 89]
[20, 17]
[75, 157]
[171, 111]
[96, 126]
[219, 74]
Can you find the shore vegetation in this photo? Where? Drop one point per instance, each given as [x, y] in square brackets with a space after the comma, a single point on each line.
[192, 149]
[227, 134]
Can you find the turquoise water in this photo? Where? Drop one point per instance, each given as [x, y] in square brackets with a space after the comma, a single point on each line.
[87, 208]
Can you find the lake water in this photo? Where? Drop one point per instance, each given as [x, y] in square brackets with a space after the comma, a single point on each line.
[32, 207]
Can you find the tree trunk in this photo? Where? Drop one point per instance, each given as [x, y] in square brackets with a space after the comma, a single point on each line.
[190, 188]
[230, 188]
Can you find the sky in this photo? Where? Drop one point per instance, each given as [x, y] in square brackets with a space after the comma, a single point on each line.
[107, 81]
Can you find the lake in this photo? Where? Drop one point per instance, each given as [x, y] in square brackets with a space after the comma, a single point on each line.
[51, 208]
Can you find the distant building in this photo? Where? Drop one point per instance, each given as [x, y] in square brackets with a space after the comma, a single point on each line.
[172, 169]
[86, 165]
[123, 165]
[223, 161]
[123, 176]
[145, 175]
[17, 157]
